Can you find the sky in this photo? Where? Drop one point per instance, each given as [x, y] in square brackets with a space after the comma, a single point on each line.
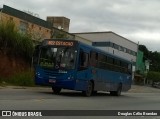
[136, 20]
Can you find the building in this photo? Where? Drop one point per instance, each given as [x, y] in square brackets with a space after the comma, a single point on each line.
[61, 23]
[112, 43]
[38, 28]
[142, 68]
[25, 22]
[140, 65]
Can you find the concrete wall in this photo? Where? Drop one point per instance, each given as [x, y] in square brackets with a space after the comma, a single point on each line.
[84, 40]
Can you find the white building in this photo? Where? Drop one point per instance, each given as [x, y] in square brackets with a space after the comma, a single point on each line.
[110, 42]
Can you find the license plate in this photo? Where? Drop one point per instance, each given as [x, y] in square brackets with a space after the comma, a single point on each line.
[52, 81]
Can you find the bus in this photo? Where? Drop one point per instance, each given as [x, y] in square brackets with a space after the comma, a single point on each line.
[73, 65]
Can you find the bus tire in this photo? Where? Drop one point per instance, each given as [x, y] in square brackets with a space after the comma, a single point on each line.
[118, 92]
[56, 90]
[89, 89]
[94, 92]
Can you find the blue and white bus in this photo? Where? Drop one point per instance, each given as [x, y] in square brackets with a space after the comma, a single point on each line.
[70, 64]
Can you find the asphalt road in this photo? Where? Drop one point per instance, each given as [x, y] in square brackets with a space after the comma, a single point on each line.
[40, 98]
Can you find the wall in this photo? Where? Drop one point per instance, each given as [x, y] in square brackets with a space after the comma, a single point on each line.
[115, 38]
[81, 39]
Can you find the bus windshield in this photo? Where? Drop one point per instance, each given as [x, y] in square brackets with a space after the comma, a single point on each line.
[58, 57]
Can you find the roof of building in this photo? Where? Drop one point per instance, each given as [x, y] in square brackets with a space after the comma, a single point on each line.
[25, 16]
[58, 17]
[106, 32]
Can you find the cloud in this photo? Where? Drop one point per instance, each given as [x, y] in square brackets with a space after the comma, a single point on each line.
[137, 20]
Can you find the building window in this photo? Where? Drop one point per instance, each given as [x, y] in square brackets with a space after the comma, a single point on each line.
[127, 51]
[121, 48]
[116, 46]
[23, 27]
[134, 53]
[100, 44]
[111, 44]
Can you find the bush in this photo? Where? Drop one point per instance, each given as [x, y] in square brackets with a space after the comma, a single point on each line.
[15, 43]
[153, 76]
[22, 79]
[19, 79]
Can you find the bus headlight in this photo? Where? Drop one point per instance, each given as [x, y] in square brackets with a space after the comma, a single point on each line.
[70, 77]
[38, 75]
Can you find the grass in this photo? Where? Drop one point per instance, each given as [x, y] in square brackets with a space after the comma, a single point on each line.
[19, 79]
[14, 42]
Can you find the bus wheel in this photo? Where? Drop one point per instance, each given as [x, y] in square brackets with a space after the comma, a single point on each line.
[56, 90]
[118, 92]
[89, 89]
[94, 92]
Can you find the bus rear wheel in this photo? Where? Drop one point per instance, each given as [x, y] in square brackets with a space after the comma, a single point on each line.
[94, 92]
[56, 90]
[89, 89]
[118, 92]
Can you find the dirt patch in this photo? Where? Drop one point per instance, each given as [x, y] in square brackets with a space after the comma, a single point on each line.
[9, 65]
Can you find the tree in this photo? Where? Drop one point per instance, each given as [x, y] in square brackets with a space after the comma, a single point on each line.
[145, 51]
[153, 76]
[154, 57]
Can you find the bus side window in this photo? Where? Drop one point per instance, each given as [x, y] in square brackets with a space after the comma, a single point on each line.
[84, 58]
[93, 59]
[35, 55]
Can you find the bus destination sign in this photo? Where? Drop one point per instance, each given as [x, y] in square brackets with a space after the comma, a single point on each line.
[60, 43]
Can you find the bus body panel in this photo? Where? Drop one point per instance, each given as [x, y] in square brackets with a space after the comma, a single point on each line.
[108, 80]
[57, 78]
[77, 78]
[83, 76]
